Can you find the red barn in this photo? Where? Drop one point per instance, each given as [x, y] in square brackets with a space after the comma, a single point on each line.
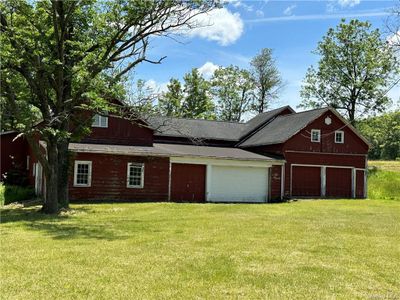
[276, 154]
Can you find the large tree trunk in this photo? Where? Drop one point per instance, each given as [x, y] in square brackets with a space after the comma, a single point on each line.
[63, 171]
[50, 205]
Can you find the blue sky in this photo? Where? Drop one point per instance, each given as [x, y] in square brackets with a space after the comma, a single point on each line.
[239, 30]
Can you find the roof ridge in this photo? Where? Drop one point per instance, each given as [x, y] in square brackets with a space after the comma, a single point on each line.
[302, 112]
[192, 119]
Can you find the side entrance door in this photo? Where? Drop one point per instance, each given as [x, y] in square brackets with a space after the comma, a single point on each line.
[188, 182]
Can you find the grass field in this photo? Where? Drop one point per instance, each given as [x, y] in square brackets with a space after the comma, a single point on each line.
[345, 249]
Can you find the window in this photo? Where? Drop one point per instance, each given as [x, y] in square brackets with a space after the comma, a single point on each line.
[27, 162]
[83, 173]
[135, 175]
[100, 121]
[315, 135]
[339, 137]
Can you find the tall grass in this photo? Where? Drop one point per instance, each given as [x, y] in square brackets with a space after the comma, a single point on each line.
[384, 185]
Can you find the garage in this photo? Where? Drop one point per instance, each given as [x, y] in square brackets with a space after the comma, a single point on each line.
[188, 182]
[338, 182]
[306, 181]
[238, 184]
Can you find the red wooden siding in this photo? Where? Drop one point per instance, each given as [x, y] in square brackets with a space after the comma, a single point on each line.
[13, 153]
[275, 182]
[109, 179]
[306, 181]
[120, 132]
[338, 182]
[302, 141]
[188, 182]
[360, 184]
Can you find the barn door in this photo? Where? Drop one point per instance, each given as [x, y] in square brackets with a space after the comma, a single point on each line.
[338, 182]
[188, 182]
[306, 181]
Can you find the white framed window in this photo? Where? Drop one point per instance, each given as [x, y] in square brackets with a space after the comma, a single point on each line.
[339, 137]
[83, 173]
[100, 121]
[315, 135]
[135, 175]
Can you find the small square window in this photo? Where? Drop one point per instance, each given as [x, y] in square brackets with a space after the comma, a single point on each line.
[83, 173]
[315, 135]
[100, 121]
[135, 175]
[339, 137]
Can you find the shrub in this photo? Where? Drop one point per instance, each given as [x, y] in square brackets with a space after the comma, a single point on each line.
[14, 193]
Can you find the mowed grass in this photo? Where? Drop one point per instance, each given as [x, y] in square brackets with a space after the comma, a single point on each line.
[320, 249]
[344, 249]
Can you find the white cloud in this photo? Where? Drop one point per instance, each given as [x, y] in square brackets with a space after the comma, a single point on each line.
[289, 10]
[318, 17]
[394, 39]
[219, 25]
[348, 3]
[259, 13]
[207, 70]
[240, 4]
[156, 87]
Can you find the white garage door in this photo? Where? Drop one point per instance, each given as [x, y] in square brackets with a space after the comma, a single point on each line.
[238, 184]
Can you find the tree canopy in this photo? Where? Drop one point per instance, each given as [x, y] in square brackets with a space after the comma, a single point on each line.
[64, 59]
[356, 69]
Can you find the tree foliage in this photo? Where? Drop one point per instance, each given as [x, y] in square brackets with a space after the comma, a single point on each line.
[170, 102]
[197, 101]
[65, 60]
[233, 89]
[356, 70]
[267, 79]
[384, 134]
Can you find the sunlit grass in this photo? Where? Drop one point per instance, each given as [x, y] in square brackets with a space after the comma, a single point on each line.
[319, 249]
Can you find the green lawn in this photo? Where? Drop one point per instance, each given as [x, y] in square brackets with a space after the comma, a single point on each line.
[320, 249]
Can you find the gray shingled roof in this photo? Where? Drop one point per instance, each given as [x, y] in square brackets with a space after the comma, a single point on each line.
[190, 128]
[261, 119]
[170, 150]
[207, 129]
[282, 128]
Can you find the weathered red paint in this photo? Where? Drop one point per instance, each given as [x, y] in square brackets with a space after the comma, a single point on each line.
[276, 174]
[109, 178]
[13, 152]
[306, 181]
[188, 182]
[121, 132]
[360, 184]
[338, 182]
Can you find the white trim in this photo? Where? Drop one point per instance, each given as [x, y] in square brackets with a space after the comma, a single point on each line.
[129, 165]
[319, 135]
[342, 135]
[328, 153]
[323, 181]
[224, 162]
[328, 166]
[353, 182]
[83, 162]
[100, 118]
[208, 181]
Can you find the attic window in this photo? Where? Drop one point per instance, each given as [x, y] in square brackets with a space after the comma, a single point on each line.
[315, 135]
[100, 121]
[339, 137]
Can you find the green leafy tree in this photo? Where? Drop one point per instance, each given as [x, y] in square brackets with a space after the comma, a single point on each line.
[170, 102]
[65, 60]
[267, 79]
[233, 89]
[355, 72]
[197, 102]
[384, 134]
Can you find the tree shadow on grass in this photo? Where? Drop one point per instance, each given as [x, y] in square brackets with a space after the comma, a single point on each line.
[61, 226]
